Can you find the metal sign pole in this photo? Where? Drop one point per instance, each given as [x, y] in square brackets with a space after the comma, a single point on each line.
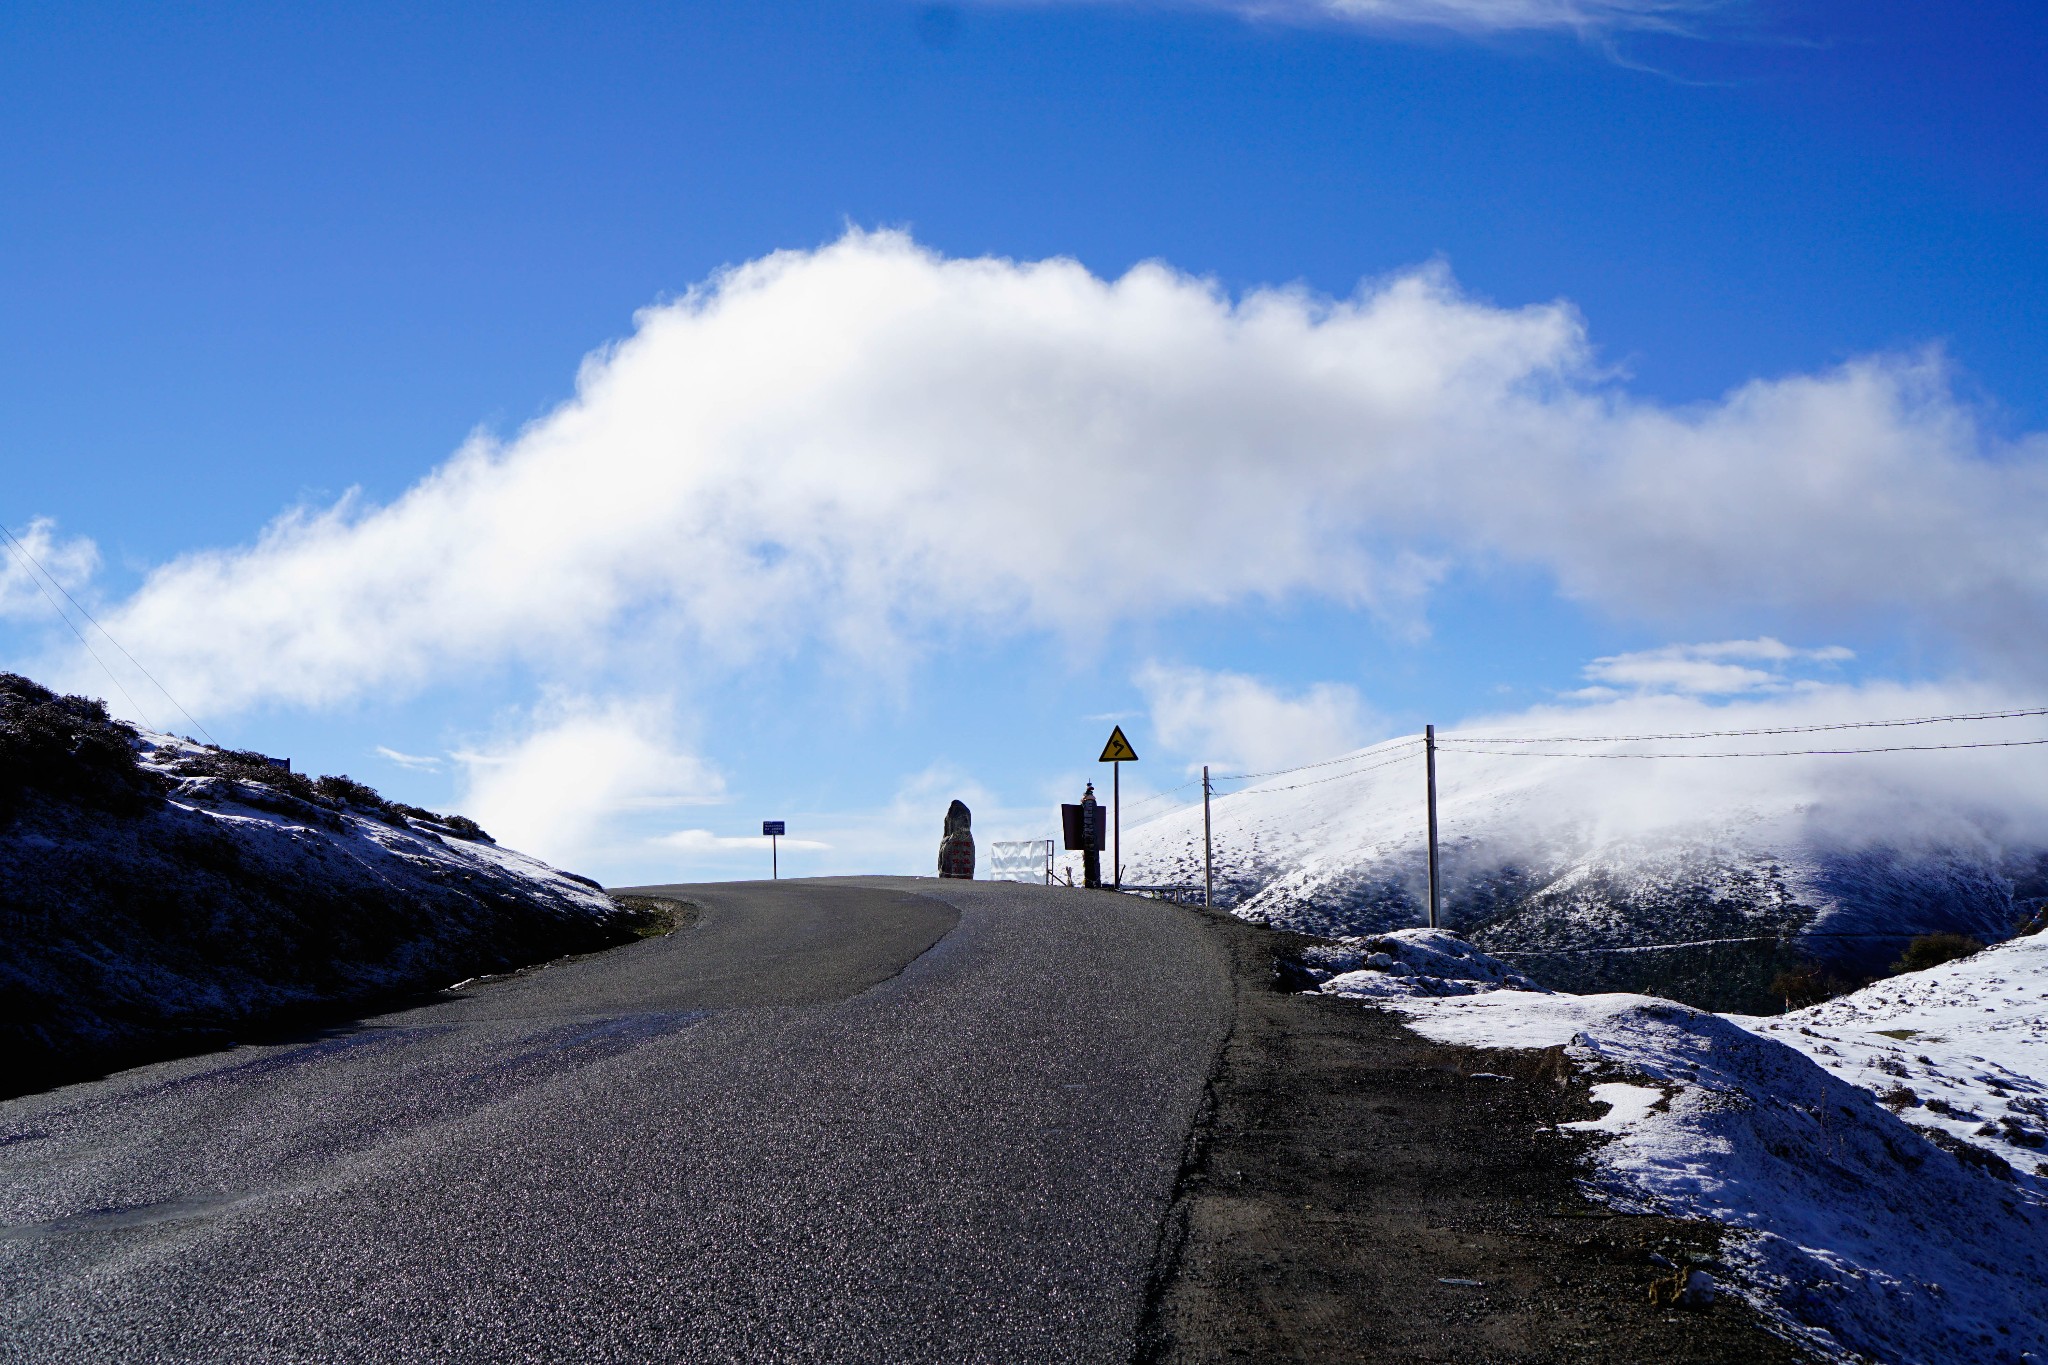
[1429, 752]
[1117, 752]
[774, 859]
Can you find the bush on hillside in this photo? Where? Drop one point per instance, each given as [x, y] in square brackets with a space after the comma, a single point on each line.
[66, 746]
[1809, 983]
[1931, 950]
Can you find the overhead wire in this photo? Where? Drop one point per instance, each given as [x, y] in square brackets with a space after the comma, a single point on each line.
[1754, 753]
[1386, 762]
[17, 547]
[2016, 714]
[1366, 752]
[23, 550]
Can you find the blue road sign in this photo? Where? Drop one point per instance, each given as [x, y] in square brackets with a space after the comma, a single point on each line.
[773, 827]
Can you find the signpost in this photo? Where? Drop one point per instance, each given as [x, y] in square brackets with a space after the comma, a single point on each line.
[774, 829]
[1119, 752]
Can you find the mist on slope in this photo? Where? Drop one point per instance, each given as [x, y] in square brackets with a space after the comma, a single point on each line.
[1754, 863]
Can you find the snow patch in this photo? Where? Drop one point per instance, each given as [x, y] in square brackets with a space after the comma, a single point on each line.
[1626, 1105]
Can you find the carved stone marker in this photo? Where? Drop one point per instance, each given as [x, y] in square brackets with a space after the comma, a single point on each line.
[956, 850]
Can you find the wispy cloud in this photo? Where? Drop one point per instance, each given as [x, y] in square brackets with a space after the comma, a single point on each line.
[1724, 668]
[567, 778]
[1242, 722]
[704, 841]
[1583, 17]
[419, 762]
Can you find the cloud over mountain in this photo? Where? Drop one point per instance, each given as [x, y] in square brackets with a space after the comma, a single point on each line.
[891, 449]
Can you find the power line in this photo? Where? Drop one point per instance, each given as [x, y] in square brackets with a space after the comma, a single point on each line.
[1729, 734]
[1319, 781]
[1161, 796]
[23, 549]
[1765, 753]
[1325, 763]
[74, 627]
[1790, 938]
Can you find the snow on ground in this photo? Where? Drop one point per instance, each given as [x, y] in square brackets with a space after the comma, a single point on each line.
[1855, 1232]
[1961, 1049]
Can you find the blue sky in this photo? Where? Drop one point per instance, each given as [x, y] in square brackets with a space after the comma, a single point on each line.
[254, 258]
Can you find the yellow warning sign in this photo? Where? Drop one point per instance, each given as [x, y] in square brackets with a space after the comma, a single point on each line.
[1119, 749]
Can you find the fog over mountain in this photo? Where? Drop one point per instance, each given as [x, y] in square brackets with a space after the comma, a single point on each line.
[1557, 853]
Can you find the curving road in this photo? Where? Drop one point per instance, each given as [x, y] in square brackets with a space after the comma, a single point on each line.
[863, 1119]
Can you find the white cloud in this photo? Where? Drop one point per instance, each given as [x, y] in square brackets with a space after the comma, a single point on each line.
[1233, 720]
[704, 841]
[35, 565]
[1480, 16]
[559, 788]
[1703, 669]
[874, 447]
[419, 762]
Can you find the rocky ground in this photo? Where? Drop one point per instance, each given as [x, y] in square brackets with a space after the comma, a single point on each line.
[1357, 1192]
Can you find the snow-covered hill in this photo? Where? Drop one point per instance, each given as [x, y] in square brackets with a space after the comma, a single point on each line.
[1576, 869]
[155, 892]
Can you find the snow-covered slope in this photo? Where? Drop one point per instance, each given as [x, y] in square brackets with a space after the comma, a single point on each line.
[1866, 1236]
[1755, 865]
[154, 891]
[1959, 1051]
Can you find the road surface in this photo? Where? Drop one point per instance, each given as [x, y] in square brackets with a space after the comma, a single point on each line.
[866, 1119]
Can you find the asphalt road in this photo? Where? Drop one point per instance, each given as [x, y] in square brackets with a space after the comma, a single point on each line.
[873, 1120]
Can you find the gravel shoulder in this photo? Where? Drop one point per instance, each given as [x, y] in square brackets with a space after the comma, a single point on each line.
[1355, 1192]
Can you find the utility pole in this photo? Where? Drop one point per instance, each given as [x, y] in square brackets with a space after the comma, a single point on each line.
[1429, 753]
[1208, 851]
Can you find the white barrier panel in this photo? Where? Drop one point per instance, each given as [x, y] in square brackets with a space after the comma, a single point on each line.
[1023, 860]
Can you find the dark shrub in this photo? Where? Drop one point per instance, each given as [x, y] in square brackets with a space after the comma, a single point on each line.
[244, 765]
[1931, 950]
[67, 746]
[1809, 983]
[346, 791]
[461, 826]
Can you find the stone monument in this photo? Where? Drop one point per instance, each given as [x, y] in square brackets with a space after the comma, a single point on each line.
[956, 850]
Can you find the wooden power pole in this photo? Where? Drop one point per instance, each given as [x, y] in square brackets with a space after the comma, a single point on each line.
[1208, 850]
[1429, 755]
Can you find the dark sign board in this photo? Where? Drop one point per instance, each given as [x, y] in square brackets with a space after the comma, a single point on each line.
[1085, 828]
[773, 827]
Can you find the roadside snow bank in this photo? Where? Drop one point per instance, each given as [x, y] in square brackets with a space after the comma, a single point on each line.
[1853, 1231]
[1959, 1051]
[1410, 962]
[155, 893]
